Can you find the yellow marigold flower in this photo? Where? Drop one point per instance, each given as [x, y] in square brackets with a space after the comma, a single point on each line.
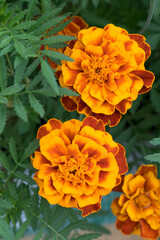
[108, 72]
[72, 29]
[77, 163]
[138, 209]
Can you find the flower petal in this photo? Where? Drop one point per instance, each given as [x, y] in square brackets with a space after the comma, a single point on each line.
[94, 123]
[39, 160]
[147, 231]
[68, 103]
[92, 50]
[121, 160]
[69, 75]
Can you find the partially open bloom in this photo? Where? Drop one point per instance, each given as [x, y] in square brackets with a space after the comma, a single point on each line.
[138, 209]
[77, 163]
[108, 72]
[72, 29]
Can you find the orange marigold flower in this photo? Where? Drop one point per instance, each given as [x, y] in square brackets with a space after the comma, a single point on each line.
[72, 29]
[108, 72]
[77, 163]
[138, 209]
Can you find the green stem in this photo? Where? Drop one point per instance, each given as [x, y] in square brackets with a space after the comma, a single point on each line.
[150, 15]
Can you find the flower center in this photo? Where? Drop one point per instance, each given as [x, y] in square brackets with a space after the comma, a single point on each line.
[99, 69]
[142, 201]
[72, 170]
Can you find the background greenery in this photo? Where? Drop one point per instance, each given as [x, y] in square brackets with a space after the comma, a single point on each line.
[30, 95]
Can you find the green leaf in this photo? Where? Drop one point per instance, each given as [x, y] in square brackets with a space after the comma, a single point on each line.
[2, 175]
[12, 89]
[24, 177]
[19, 72]
[32, 67]
[24, 25]
[49, 75]
[19, 47]
[46, 5]
[30, 149]
[36, 105]
[57, 39]
[95, 2]
[20, 109]
[22, 229]
[5, 230]
[6, 204]
[155, 141]
[31, 8]
[72, 226]
[3, 73]
[6, 49]
[4, 161]
[3, 117]
[155, 157]
[67, 92]
[95, 227]
[57, 55]
[5, 41]
[13, 149]
[58, 28]
[38, 235]
[49, 24]
[130, 145]
[18, 17]
[3, 99]
[37, 79]
[88, 236]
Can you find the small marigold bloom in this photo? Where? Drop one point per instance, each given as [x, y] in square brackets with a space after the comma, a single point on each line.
[77, 163]
[72, 29]
[108, 72]
[138, 209]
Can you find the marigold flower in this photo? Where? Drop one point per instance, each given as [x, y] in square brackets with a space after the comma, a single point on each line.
[72, 29]
[108, 72]
[77, 163]
[138, 209]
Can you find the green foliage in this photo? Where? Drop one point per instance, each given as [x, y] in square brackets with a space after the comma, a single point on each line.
[30, 95]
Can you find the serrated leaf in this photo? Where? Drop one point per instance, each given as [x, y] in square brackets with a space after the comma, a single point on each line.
[28, 37]
[37, 79]
[13, 149]
[46, 91]
[3, 99]
[3, 117]
[20, 109]
[149, 122]
[95, 227]
[5, 41]
[24, 25]
[30, 149]
[46, 5]
[31, 8]
[6, 49]
[51, 23]
[3, 73]
[57, 55]
[5, 230]
[32, 67]
[18, 17]
[6, 204]
[22, 229]
[24, 177]
[67, 92]
[88, 236]
[155, 141]
[20, 48]
[155, 157]
[49, 75]
[36, 105]
[4, 161]
[57, 39]
[12, 89]
[19, 72]
[58, 28]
